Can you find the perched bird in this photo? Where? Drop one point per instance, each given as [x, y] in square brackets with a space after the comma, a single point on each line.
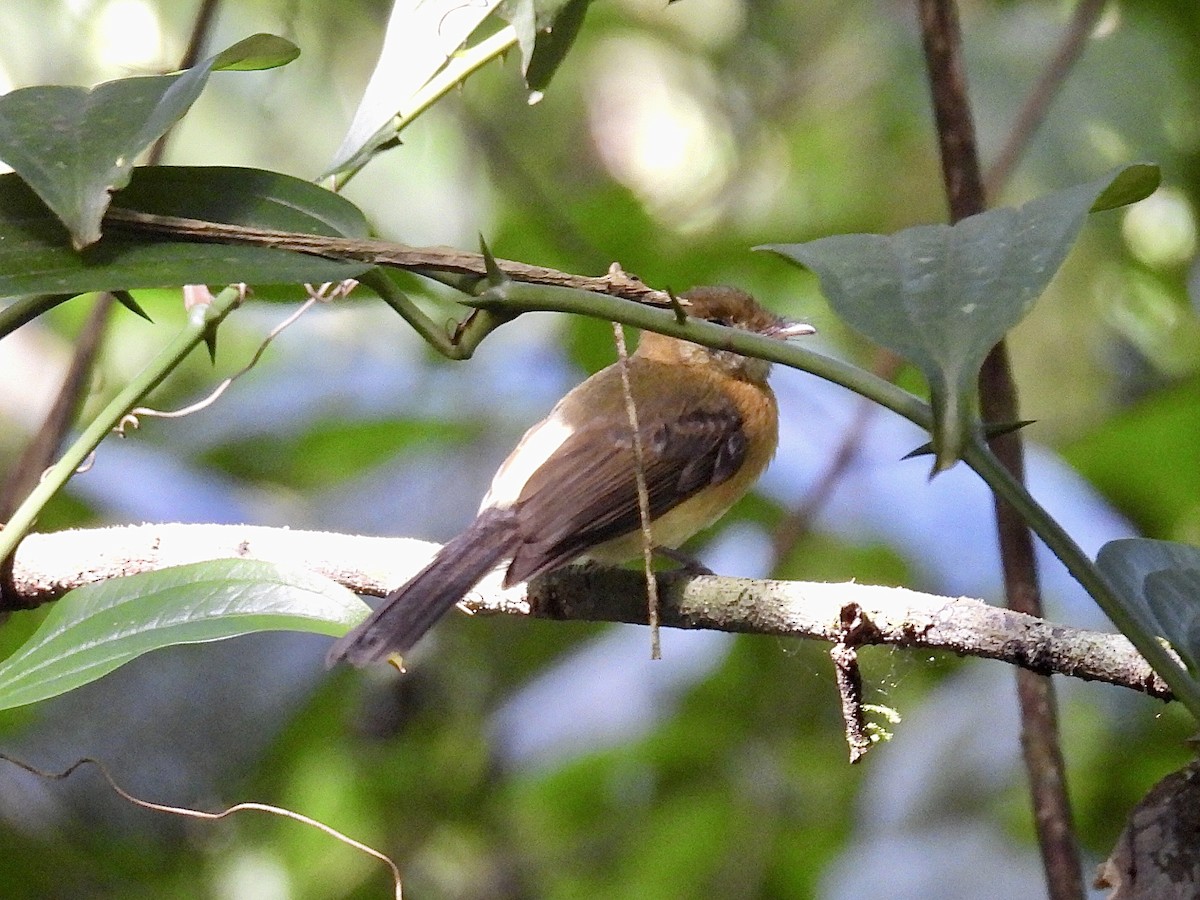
[708, 424]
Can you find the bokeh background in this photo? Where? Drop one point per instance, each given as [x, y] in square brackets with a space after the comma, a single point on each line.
[533, 759]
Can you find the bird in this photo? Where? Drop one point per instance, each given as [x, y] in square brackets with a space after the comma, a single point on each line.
[708, 425]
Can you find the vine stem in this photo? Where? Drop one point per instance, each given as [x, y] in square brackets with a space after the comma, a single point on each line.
[202, 318]
[40, 450]
[515, 298]
[980, 458]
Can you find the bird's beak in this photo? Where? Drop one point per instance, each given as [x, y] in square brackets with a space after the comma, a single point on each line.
[786, 330]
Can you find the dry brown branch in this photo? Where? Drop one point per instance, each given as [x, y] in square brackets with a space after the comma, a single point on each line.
[616, 283]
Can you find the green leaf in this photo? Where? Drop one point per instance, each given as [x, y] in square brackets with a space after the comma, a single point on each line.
[1133, 183]
[942, 296]
[94, 629]
[1159, 585]
[552, 42]
[257, 52]
[421, 35]
[255, 198]
[546, 30]
[75, 145]
[36, 257]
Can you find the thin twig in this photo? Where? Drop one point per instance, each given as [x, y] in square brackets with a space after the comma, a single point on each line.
[1037, 104]
[322, 294]
[189, 813]
[942, 40]
[44, 444]
[643, 494]
[200, 323]
[39, 453]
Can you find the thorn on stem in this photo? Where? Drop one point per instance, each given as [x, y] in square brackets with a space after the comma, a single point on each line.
[495, 276]
[681, 315]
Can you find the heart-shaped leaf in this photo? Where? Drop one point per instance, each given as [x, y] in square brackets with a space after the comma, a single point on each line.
[75, 145]
[1158, 582]
[942, 296]
[36, 256]
[94, 629]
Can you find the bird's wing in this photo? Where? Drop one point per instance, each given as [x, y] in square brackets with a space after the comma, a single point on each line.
[585, 493]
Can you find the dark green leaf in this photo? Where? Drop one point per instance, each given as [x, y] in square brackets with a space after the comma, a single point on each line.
[1159, 584]
[36, 256]
[1133, 183]
[94, 629]
[1174, 598]
[546, 30]
[943, 295]
[76, 145]
[255, 198]
[552, 44]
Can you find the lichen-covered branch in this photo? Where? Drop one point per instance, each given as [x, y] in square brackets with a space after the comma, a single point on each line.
[47, 565]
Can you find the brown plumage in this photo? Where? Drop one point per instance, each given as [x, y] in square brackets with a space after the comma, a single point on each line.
[708, 423]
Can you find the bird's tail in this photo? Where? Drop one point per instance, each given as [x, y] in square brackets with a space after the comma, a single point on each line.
[412, 609]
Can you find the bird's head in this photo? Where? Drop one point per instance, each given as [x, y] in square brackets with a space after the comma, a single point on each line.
[732, 308]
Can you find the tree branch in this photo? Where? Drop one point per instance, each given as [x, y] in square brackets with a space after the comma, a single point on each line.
[1037, 103]
[942, 39]
[422, 260]
[47, 565]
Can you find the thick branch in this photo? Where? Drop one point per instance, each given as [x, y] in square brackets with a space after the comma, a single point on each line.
[47, 565]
